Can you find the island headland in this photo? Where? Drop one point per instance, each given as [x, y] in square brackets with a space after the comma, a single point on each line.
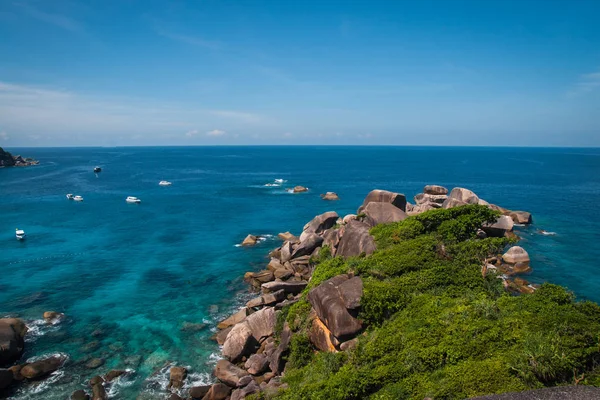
[398, 301]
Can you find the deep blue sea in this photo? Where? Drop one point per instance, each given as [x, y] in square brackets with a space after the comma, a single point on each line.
[135, 281]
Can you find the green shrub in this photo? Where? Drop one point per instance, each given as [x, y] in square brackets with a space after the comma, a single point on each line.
[298, 315]
[327, 269]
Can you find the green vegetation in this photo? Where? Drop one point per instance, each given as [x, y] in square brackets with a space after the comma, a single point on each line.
[437, 328]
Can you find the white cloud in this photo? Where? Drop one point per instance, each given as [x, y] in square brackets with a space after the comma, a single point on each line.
[4, 135]
[27, 109]
[587, 83]
[216, 132]
[191, 133]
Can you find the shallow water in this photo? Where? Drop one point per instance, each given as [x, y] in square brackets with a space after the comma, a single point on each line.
[138, 281]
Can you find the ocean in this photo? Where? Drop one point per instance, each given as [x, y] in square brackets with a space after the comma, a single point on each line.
[143, 285]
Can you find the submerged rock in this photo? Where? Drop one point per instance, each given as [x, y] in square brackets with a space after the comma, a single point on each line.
[299, 189]
[80, 395]
[53, 316]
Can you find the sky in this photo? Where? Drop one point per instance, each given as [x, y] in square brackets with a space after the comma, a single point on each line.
[207, 72]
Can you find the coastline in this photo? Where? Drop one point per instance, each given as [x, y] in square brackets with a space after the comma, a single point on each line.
[302, 199]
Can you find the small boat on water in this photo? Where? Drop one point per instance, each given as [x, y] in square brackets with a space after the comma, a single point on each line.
[70, 196]
[20, 233]
[164, 183]
[78, 198]
[132, 199]
[97, 169]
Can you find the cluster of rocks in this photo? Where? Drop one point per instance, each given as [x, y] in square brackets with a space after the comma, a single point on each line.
[12, 345]
[8, 160]
[507, 266]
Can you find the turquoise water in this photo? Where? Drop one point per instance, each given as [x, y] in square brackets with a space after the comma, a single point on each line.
[132, 279]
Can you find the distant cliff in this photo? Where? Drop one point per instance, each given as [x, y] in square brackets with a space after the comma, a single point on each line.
[8, 160]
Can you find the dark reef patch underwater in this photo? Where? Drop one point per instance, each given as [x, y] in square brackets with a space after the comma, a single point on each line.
[143, 286]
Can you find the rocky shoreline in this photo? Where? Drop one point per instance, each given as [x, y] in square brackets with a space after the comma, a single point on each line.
[8, 160]
[256, 339]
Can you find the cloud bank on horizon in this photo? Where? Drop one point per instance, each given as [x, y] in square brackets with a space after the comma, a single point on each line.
[461, 72]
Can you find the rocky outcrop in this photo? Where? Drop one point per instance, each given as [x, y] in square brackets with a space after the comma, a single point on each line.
[12, 339]
[8, 160]
[520, 217]
[356, 240]
[299, 189]
[384, 196]
[257, 364]
[287, 236]
[262, 323]
[331, 196]
[382, 213]
[80, 395]
[53, 317]
[218, 391]
[330, 305]
[287, 287]
[238, 343]
[499, 228]
[234, 319]
[250, 240]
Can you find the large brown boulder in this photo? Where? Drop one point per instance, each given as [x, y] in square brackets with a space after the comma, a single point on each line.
[330, 307]
[355, 240]
[80, 395]
[53, 317]
[198, 392]
[218, 391]
[330, 196]
[262, 323]
[299, 189]
[460, 196]
[228, 373]
[177, 376]
[239, 342]
[287, 287]
[309, 242]
[268, 299]
[351, 292]
[521, 217]
[286, 252]
[12, 343]
[41, 368]
[287, 236]
[250, 240]
[384, 196]
[383, 213]
[257, 364]
[499, 228]
[98, 391]
[320, 223]
[516, 254]
[435, 190]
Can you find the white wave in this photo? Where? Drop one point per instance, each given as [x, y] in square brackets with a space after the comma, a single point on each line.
[237, 245]
[280, 180]
[546, 233]
[40, 327]
[41, 386]
[64, 356]
[214, 358]
[198, 379]
[272, 184]
[120, 382]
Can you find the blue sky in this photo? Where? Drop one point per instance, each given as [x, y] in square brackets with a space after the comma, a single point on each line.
[443, 72]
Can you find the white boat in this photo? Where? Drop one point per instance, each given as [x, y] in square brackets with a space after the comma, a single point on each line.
[132, 199]
[20, 233]
[70, 196]
[164, 183]
[78, 198]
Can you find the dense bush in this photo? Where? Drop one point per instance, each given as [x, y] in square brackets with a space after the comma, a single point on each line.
[437, 328]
